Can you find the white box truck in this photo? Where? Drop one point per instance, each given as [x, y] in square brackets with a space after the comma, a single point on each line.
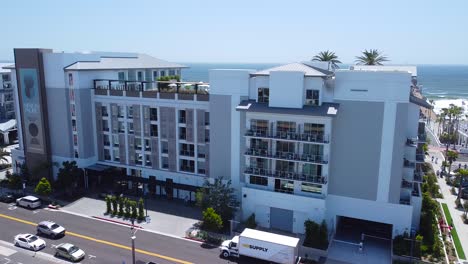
[262, 245]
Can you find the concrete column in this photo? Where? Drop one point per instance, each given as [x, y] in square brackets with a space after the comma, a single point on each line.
[6, 141]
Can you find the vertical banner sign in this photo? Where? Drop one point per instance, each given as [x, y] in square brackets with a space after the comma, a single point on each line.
[34, 138]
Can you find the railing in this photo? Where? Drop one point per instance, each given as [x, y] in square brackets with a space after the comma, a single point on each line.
[187, 169]
[415, 191]
[322, 159]
[187, 153]
[411, 142]
[165, 151]
[181, 120]
[159, 86]
[409, 164]
[420, 157]
[422, 138]
[406, 184]
[406, 201]
[319, 138]
[201, 155]
[183, 136]
[290, 175]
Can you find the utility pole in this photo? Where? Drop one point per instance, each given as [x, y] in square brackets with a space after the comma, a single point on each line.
[133, 237]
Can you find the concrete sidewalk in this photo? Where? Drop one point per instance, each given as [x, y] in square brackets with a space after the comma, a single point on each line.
[449, 199]
[171, 218]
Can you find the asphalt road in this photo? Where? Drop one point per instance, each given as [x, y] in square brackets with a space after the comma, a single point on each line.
[105, 242]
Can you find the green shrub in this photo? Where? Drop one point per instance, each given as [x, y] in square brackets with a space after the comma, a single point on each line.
[121, 205]
[316, 235]
[114, 205]
[43, 187]
[211, 220]
[141, 209]
[108, 205]
[128, 209]
[134, 209]
[250, 222]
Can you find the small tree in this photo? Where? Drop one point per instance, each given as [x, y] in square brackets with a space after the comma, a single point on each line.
[108, 204]
[451, 157]
[311, 234]
[141, 209]
[114, 205]
[43, 187]
[68, 175]
[323, 235]
[250, 222]
[128, 208]
[134, 209]
[211, 220]
[121, 205]
[463, 175]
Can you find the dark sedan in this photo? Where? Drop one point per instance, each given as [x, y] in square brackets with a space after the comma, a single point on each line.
[7, 198]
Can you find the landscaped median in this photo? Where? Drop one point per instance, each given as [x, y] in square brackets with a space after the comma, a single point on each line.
[453, 232]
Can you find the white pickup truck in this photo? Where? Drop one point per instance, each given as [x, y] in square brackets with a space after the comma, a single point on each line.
[262, 245]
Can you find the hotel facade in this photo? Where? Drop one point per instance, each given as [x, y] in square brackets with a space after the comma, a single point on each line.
[297, 141]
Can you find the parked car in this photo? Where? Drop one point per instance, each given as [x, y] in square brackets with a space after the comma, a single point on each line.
[7, 198]
[29, 241]
[69, 251]
[29, 201]
[50, 229]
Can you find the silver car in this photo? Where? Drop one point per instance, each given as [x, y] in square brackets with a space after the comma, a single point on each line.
[69, 251]
[50, 229]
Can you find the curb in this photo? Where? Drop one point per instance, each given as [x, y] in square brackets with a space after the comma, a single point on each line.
[117, 222]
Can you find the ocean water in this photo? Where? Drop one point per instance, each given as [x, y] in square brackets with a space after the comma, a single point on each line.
[442, 83]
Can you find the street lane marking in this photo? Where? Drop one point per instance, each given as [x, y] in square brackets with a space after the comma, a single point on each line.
[7, 251]
[103, 241]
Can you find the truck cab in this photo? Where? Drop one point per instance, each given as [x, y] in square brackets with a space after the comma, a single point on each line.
[230, 247]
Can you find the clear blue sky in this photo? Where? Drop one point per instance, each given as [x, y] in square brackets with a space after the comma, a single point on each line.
[413, 32]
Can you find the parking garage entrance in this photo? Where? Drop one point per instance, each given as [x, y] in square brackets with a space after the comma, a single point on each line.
[350, 232]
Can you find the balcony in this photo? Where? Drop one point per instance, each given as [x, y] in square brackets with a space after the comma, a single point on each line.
[187, 153]
[406, 184]
[187, 169]
[415, 191]
[183, 136]
[420, 158]
[405, 200]
[409, 164]
[288, 175]
[182, 120]
[422, 138]
[293, 136]
[411, 142]
[152, 86]
[320, 159]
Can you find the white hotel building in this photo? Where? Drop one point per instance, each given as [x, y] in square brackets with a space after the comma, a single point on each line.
[297, 141]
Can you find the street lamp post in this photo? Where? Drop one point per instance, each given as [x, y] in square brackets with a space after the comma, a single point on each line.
[133, 237]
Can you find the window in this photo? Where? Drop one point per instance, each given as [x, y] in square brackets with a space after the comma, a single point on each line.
[107, 154]
[140, 76]
[73, 111]
[314, 129]
[155, 75]
[312, 170]
[121, 110]
[130, 128]
[284, 186]
[182, 115]
[105, 126]
[74, 125]
[259, 144]
[201, 151]
[164, 147]
[285, 167]
[147, 144]
[312, 97]
[153, 114]
[116, 152]
[72, 95]
[163, 73]
[130, 112]
[70, 79]
[285, 147]
[207, 135]
[312, 188]
[121, 76]
[75, 140]
[164, 163]
[154, 130]
[138, 158]
[172, 72]
[148, 162]
[201, 167]
[6, 77]
[105, 140]
[263, 95]
[187, 165]
[207, 118]
[313, 150]
[187, 150]
[76, 154]
[138, 145]
[182, 133]
[104, 111]
[115, 140]
[259, 163]
[122, 127]
[258, 180]
[259, 127]
[283, 127]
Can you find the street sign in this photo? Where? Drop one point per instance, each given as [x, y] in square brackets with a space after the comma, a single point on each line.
[148, 219]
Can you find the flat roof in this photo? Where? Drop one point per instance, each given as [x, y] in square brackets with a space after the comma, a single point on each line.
[140, 61]
[4, 67]
[308, 70]
[326, 109]
[270, 237]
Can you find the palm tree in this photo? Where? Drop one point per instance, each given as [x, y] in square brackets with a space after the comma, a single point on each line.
[328, 56]
[463, 174]
[371, 57]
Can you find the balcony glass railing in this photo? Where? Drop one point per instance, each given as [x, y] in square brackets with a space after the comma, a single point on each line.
[187, 153]
[321, 159]
[406, 184]
[290, 175]
[318, 138]
[409, 164]
[159, 86]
